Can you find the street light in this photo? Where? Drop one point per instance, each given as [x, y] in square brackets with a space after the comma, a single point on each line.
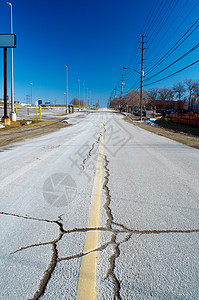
[12, 113]
[87, 98]
[131, 69]
[66, 89]
[64, 98]
[31, 92]
[141, 86]
[83, 93]
[79, 93]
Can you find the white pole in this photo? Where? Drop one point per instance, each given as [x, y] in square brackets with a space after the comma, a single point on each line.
[79, 93]
[83, 93]
[12, 113]
[31, 93]
[66, 89]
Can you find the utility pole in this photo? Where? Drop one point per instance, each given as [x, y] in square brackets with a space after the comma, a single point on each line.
[87, 98]
[83, 93]
[142, 75]
[122, 84]
[79, 93]
[115, 92]
[31, 93]
[67, 89]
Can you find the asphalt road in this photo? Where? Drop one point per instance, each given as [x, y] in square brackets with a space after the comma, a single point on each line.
[99, 210]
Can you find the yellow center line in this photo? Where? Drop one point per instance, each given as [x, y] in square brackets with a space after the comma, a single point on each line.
[88, 271]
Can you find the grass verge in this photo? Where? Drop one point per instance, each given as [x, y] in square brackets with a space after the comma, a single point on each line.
[17, 131]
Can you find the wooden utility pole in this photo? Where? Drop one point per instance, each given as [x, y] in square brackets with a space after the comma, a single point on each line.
[142, 75]
[122, 83]
[115, 92]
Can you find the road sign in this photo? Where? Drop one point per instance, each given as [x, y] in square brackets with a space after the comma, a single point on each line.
[7, 41]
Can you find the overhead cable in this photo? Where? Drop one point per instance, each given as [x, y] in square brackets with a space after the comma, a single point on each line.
[184, 55]
[169, 52]
[173, 73]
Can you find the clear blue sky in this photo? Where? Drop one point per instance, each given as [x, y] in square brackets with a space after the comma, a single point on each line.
[95, 39]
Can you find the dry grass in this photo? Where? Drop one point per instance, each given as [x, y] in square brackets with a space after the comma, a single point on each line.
[18, 132]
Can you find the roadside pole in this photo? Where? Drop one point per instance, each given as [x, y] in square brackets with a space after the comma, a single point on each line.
[5, 117]
[40, 112]
[37, 113]
[12, 112]
[67, 90]
[142, 75]
[6, 41]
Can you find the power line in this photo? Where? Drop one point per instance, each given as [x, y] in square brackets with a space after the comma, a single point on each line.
[163, 20]
[173, 73]
[154, 10]
[146, 21]
[184, 55]
[150, 20]
[156, 17]
[169, 52]
[135, 57]
[171, 25]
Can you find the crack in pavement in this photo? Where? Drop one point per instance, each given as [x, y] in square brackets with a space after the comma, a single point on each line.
[90, 151]
[55, 255]
[109, 225]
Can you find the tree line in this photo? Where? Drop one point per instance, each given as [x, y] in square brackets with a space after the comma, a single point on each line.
[183, 93]
[77, 102]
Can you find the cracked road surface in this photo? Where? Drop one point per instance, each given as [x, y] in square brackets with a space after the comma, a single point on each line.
[99, 210]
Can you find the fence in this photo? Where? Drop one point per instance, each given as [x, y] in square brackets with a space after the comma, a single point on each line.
[186, 119]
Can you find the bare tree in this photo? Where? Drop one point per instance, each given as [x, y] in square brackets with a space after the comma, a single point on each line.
[179, 89]
[170, 94]
[165, 94]
[115, 102]
[196, 92]
[132, 98]
[152, 94]
[75, 101]
[191, 86]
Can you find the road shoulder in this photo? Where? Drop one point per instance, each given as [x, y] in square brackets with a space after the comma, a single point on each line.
[179, 137]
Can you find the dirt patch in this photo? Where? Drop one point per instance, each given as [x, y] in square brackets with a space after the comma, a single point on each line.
[17, 132]
[181, 137]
